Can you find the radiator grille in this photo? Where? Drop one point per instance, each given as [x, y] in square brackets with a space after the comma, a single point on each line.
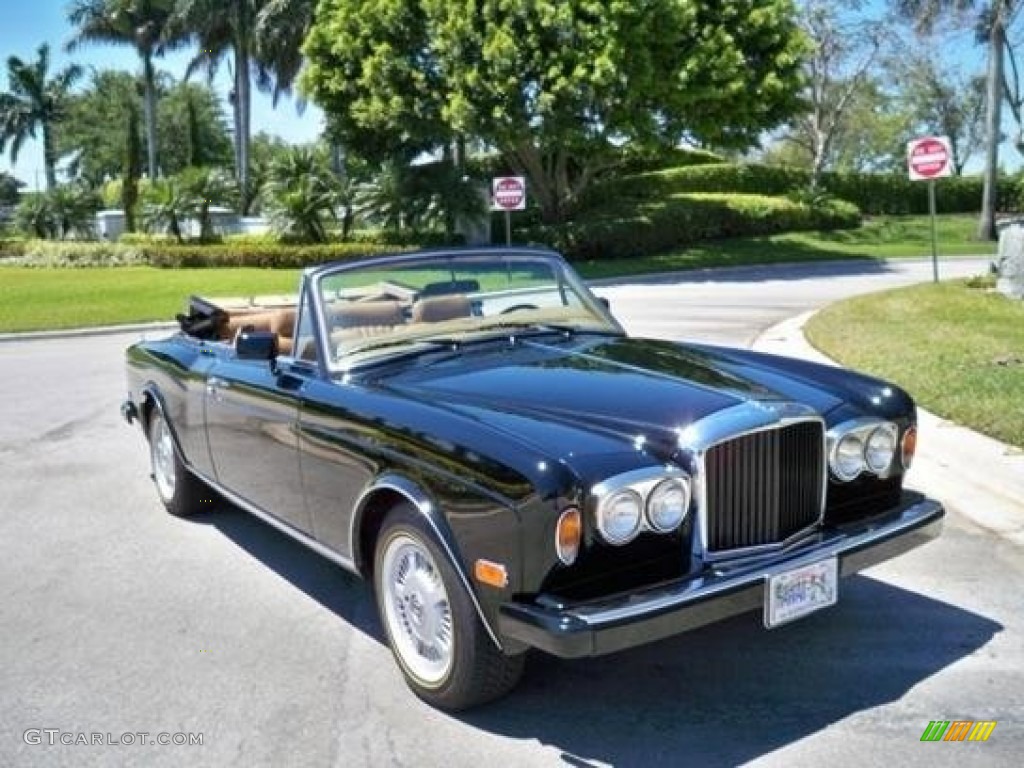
[763, 487]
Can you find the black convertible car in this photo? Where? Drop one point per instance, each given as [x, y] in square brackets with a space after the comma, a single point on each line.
[473, 431]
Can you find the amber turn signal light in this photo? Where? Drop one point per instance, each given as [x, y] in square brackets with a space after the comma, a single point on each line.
[568, 534]
[492, 574]
[909, 446]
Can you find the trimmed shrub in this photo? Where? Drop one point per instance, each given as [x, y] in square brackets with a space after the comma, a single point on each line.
[686, 219]
[277, 256]
[49, 253]
[873, 193]
[41, 253]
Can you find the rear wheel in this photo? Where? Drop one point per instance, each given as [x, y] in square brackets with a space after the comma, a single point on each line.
[435, 634]
[181, 492]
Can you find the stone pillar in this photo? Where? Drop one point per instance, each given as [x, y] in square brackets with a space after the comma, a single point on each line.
[1010, 263]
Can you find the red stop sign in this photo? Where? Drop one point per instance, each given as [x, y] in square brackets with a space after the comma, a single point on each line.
[508, 193]
[929, 158]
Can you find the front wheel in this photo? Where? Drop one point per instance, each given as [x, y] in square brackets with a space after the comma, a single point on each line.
[435, 634]
[181, 492]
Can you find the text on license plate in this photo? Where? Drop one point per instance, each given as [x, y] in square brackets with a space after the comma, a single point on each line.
[793, 594]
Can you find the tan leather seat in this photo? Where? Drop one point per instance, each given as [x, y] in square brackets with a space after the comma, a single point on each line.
[367, 318]
[437, 309]
[279, 321]
[282, 323]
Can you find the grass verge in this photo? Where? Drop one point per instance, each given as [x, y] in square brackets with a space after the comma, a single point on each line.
[959, 350]
[36, 298]
[880, 237]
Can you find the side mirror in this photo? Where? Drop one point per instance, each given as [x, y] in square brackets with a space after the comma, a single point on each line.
[256, 345]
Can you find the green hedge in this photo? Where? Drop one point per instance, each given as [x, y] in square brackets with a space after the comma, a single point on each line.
[686, 219]
[873, 193]
[246, 255]
[42, 253]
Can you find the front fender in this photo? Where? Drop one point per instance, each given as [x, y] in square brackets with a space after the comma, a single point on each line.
[461, 546]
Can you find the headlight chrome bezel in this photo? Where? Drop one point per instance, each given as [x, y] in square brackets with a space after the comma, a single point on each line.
[864, 432]
[640, 484]
[667, 486]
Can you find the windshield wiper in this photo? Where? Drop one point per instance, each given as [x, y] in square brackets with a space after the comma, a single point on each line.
[568, 330]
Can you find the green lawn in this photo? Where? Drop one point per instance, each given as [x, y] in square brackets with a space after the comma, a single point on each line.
[32, 299]
[958, 350]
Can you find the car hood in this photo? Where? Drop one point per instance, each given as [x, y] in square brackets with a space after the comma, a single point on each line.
[587, 395]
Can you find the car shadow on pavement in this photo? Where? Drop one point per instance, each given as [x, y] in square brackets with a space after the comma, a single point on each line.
[329, 584]
[732, 692]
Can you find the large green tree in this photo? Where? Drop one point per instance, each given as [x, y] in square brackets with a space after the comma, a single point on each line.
[944, 100]
[556, 85]
[991, 20]
[35, 101]
[845, 45]
[143, 24]
[262, 41]
[191, 126]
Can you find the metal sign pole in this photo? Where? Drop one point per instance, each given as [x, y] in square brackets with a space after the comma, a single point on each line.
[508, 227]
[935, 237]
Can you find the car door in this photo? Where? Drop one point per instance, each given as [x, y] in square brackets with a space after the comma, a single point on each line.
[251, 422]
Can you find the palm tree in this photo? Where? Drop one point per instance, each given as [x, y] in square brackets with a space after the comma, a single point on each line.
[263, 39]
[992, 20]
[144, 25]
[167, 206]
[301, 193]
[34, 100]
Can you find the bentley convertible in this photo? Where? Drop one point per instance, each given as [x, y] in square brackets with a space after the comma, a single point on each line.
[473, 432]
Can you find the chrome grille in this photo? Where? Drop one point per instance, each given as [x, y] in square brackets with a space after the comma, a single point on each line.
[763, 487]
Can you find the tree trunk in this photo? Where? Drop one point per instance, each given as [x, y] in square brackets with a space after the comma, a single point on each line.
[527, 160]
[129, 182]
[149, 102]
[993, 116]
[243, 90]
[49, 157]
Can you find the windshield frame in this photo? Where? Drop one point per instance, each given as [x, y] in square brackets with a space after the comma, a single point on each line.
[564, 275]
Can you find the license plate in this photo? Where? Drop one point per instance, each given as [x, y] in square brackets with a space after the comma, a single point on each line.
[794, 594]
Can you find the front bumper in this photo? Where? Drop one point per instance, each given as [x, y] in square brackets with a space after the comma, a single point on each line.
[623, 621]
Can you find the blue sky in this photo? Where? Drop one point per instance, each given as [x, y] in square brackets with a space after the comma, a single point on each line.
[25, 24]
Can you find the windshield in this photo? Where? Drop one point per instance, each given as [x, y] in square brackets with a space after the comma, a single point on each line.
[421, 302]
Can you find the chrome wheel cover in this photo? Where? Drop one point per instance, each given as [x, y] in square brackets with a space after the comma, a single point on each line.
[161, 452]
[416, 610]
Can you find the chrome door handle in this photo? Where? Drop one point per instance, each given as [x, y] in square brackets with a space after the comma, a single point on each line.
[214, 384]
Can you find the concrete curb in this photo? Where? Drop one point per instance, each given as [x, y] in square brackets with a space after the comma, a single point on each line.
[75, 333]
[981, 478]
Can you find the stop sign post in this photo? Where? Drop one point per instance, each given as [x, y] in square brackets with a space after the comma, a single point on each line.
[930, 158]
[508, 193]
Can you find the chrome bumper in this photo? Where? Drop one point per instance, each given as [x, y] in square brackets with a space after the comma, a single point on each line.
[604, 626]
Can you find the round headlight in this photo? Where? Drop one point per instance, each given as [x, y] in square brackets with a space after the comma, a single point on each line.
[848, 457]
[618, 518]
[880, 449]
[667, 505]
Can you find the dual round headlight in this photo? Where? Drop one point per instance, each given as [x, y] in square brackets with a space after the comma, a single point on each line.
[865, 447]
[662, 508]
